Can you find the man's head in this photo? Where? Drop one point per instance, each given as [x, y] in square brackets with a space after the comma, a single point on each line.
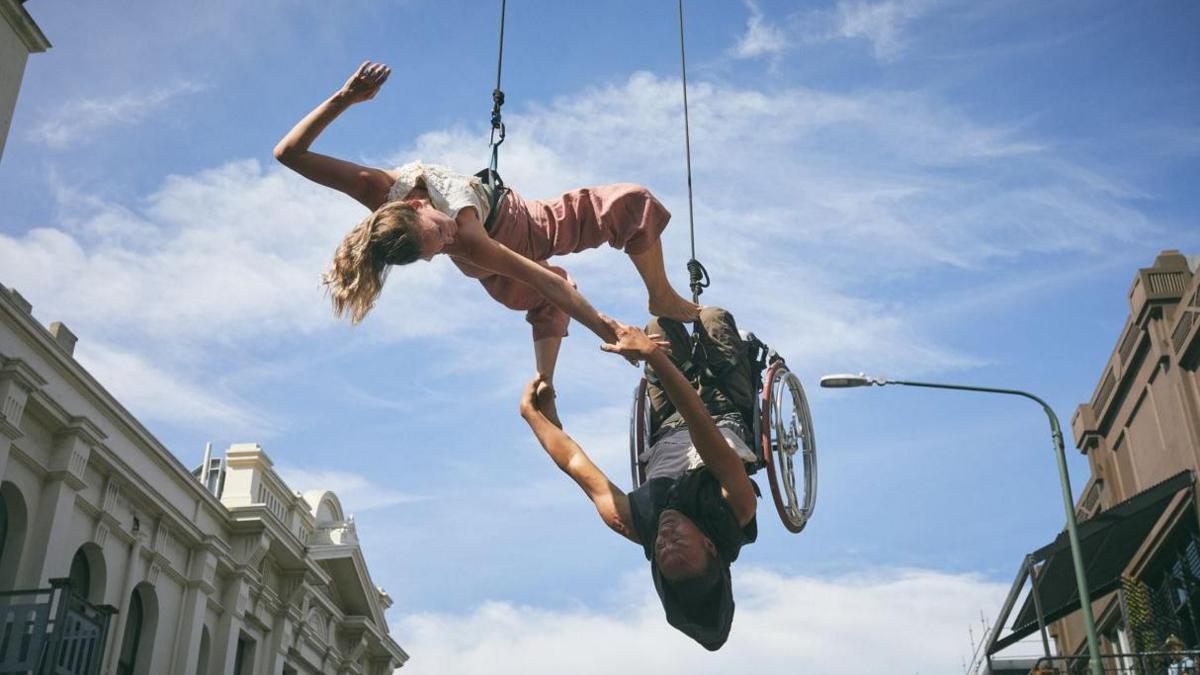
[681, 549]
[692, 580]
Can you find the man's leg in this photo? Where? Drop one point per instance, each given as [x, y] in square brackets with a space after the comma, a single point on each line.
[727, 359]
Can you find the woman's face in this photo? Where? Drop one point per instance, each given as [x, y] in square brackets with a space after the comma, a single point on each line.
[681, 549]
[437, 229]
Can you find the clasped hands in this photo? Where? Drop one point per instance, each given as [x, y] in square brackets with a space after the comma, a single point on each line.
[630, 342]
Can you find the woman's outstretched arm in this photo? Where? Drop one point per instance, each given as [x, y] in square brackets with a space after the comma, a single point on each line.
[367, 185]
[481, 250]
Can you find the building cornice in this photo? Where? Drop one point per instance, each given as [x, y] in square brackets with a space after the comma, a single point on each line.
[1158, 301]
[79, 378]
[24, 26]
[164, 491]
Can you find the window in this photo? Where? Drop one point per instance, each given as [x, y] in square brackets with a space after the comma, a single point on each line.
[243, 661]
[205, 648]
[81, 575]
[3, 524]
[133, 634]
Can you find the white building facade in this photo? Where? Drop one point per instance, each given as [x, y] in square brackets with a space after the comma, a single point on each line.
[115, 558]
[19, 37]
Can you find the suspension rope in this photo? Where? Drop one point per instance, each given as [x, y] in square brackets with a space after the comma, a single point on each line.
[498, 97]
[697, 275]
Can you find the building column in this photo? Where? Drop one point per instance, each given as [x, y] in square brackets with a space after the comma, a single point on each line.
[224, 646]
[282, 633]
[49, 541]
[17, 380]
[117, 627]
[195, 604]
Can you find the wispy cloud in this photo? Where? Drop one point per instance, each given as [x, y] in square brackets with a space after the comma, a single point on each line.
[762, 37]
[81, 119]
[878, 622]
[156, 392]
[217, 258]
[230, 257]
[879, 23]
[882, 25]
[357, 493]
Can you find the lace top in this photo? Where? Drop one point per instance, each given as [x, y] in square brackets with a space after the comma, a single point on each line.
[449, 191]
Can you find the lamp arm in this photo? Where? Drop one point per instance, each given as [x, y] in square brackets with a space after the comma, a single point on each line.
[1068, 502]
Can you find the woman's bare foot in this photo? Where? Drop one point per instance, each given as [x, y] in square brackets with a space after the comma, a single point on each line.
[669, 305]
[545, 402]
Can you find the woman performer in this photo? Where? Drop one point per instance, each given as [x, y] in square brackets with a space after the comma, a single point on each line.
[421, 210]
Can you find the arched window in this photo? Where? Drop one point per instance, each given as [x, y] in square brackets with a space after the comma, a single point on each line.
[202, 660]
[12, 506]
[133, 635]
[81, 575]
[243, 660]
[3, 525]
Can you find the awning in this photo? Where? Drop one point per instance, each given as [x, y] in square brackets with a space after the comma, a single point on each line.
[1108, 540]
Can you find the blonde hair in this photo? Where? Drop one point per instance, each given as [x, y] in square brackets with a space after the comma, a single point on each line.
[389, 236]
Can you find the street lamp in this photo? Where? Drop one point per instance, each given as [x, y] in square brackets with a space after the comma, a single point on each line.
[848, 380]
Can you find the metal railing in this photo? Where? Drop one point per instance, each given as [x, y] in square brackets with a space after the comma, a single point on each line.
[52, 631]
[1179, 662]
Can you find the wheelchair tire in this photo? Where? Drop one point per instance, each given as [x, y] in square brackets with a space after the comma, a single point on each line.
[787, 438]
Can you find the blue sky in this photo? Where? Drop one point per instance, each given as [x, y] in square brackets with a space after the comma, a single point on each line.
[952, 190]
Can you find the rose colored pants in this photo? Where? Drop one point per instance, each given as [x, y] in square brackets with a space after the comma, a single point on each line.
[624, 215]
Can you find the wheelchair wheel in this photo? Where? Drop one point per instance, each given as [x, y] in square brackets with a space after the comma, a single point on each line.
[639, 432]
[788, 443]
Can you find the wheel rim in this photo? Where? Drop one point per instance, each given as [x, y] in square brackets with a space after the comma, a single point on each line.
[787, 438]
[639, 432]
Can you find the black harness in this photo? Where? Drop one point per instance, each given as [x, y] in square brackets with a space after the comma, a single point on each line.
[492, 180]
[700, 369]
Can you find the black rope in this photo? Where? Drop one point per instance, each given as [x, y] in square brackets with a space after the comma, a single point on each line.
[498, 96]
[697, 275]
[491, 175]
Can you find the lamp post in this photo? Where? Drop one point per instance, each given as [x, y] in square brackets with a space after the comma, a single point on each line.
[842, 381]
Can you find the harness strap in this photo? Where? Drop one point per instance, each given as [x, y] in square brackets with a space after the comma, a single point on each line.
[702, 369]
[491, 178]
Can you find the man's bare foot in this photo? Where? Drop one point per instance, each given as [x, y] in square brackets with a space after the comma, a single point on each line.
[671, 306]
[545, 402]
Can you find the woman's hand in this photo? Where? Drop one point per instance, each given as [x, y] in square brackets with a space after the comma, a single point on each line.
[365, 82]
[633, 343]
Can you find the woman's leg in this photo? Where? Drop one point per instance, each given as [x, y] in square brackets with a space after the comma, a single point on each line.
[664, 301]
[625, 216]
[545, 353]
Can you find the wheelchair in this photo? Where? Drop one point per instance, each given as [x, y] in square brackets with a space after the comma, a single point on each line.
[779, 430]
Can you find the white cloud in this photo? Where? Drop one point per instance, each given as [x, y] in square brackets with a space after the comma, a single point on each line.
[881, 622]
[762, 38]
[357, 493]
[810, 196]
[81, 119]
[604, 434]
[158, 394]
[225, 256]
[806, 200]
[880, 23]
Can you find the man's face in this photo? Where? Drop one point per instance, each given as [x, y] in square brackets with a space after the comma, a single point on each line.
[680, 548]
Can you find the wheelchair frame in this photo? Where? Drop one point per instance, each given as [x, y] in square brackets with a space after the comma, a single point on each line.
[776, 442]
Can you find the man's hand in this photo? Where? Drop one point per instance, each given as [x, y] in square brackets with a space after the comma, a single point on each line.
[365, 82]
[634, 344]
[529, 399]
